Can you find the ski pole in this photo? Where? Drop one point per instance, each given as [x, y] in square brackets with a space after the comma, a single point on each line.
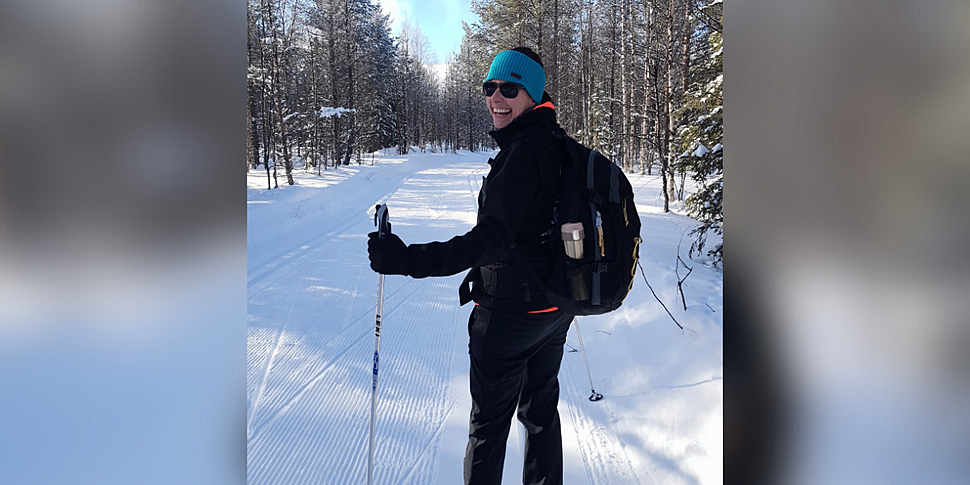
[383, 229]
[595, 396]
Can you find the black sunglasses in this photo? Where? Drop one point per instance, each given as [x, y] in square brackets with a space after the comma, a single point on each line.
[508, 90]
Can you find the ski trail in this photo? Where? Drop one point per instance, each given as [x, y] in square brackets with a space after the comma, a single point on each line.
[333, 207]
[291, 251]
[294, 258]
[346, 412]
[327, 206]
[269, 362]
[311, 294]
[314, 397]
[429, 445]
[335, 360]
[603, 450]
[340, 335]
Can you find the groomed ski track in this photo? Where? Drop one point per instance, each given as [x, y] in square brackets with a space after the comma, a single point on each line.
[311, 308]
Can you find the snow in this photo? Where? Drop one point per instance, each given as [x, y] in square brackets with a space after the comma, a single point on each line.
[701, 151]
[311, 308]
[717, 148]
[328, 112]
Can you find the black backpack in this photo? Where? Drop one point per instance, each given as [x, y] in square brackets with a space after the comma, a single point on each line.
[596, 193]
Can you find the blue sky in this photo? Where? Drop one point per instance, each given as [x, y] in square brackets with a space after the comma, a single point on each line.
[439, 20]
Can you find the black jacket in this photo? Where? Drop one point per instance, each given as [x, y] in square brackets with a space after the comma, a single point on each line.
[515, 209]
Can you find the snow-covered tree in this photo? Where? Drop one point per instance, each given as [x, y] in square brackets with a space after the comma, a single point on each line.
[377, 83]
[701, 139]
[619, 72]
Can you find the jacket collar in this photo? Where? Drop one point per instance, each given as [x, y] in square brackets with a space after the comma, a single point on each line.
[544, 114]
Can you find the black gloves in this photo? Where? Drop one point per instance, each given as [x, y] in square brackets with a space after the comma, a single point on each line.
[388, 255]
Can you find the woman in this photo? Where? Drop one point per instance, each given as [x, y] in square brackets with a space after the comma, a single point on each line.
[515, 336]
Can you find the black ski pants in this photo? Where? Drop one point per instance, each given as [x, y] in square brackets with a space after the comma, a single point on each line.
[515, 359]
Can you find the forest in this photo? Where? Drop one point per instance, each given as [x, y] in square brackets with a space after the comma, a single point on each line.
[638, 80]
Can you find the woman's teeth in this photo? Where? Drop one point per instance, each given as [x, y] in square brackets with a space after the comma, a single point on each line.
[501, 111]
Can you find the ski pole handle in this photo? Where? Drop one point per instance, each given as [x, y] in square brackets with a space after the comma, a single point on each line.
[381, 221]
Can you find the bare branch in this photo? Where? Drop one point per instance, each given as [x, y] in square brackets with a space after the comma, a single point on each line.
[658, 298]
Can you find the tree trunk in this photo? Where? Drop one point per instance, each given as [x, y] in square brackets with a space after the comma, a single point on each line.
[688, 30]
[252, 141]
[333, 147]
[624, 85]
[646, 163]
[539, 17]
[657, 118]
[588, 87]
[351, 45]
[665, 169]
[249, 131]
[314, 106]
[471, 116]
[613, 103]
[277, 86]
[250, 124]
[555, 50]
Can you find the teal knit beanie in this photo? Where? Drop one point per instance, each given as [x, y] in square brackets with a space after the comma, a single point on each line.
[516, 67]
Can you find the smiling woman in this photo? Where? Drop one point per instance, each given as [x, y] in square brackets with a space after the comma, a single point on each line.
[516, 336]
[519, 78]
[505, 108]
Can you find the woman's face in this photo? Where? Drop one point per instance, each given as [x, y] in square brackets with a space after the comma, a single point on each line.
[504, 110]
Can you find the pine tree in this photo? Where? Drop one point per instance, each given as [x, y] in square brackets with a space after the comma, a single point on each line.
[701, 138]
[376, 86]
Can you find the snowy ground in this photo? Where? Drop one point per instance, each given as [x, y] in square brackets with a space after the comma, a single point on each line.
[311, 305]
